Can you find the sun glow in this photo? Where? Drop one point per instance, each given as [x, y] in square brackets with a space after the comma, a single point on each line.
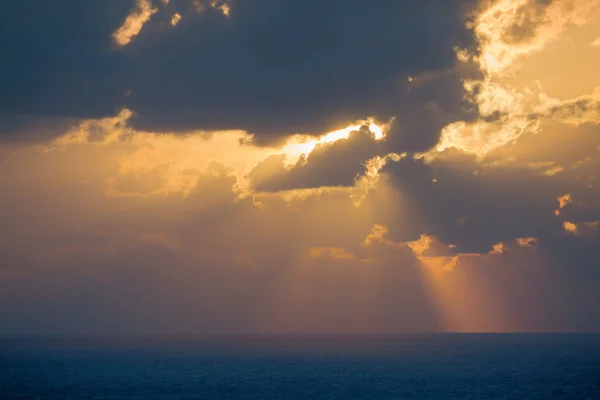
[298, 146]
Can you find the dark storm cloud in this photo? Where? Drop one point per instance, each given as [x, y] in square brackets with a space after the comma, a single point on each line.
[272, 68]
[433, 101]
[23, 128]
[57, 57]
[281, 67]
[476, 204]
[472, 206]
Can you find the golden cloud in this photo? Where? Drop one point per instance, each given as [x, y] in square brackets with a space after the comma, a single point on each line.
[527, 242]
[134, 22]
[500, 248]
[563, 201]
[581, 229]
[511, 31]
[175, 19]
[220, 5]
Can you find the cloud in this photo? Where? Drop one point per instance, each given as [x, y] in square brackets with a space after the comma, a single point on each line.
[59, 60]
[175, 19]
[435, 101]
[134, 22]
[527, 242]
[527, 18]
[563, 201]
[228, 65]
[510, 33]
[269, 79]
[506, 114]
[286, 79]
[512, 29]
[340, 163]
[570, 227]
[33, 128]
[476, 204]
[578, 111]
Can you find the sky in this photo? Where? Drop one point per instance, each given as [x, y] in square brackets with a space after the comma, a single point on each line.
[339, 166]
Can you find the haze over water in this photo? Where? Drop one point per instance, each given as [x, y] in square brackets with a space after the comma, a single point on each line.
[427, 366]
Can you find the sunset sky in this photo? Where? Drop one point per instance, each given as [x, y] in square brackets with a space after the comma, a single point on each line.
[204, 166]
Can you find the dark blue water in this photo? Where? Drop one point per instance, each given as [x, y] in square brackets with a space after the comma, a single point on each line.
[273, 367]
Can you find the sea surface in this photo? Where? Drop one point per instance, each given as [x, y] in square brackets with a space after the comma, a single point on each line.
[428, 366]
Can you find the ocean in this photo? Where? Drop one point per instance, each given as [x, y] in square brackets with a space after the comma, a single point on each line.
[427, 366]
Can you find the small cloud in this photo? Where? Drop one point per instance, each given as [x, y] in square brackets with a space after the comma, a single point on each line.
[431, 247]
[570, 227]
[595, 43]
[377, 235]
[563, 201]
[527, 242]
[224, 8]
[436, 255]
[554, 170]
[134, 22]
[585, 229]
[500, 248]
[219, 5]
[421, 245]
[582, 162]
[440, 263]
[175, 19]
